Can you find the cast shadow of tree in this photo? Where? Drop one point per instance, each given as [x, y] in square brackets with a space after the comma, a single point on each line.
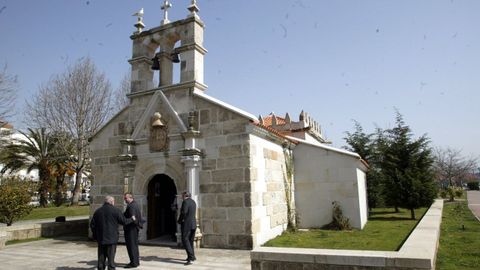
[390, 218]
[89, 265]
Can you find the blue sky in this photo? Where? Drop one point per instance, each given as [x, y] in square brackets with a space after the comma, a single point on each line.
[337, 60]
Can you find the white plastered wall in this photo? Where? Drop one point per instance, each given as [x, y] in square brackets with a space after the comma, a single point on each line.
[323, 176]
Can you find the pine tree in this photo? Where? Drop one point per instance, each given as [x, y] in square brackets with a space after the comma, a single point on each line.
[407, 169]
[366, 145]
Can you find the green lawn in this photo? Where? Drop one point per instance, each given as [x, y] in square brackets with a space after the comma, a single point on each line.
[459, 249]
[52, 212]
[385, 230]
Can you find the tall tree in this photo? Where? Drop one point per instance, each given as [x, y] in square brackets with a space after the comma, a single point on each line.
[78, 102]
[120, 99]
[31, 151]
[63, 165]
[451, 167]
[366, 145]
[407, 168]
[8, 89]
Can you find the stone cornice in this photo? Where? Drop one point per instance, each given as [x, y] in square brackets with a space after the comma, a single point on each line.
[189, 47]
[177, 86]
[140, 59]
[167, 26]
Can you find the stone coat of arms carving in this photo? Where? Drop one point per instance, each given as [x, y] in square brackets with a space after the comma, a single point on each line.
[158, 139]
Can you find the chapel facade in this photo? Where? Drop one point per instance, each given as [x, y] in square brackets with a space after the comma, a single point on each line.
[248, 175]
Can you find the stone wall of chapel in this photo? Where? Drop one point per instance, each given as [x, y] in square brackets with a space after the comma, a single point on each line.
[269, 212]
[105, 148]
[225, 178]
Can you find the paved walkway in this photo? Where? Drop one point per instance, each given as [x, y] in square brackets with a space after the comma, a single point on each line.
[70, 254]
[473, 197]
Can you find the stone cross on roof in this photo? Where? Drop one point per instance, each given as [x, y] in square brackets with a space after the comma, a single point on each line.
[165, 7]
[193, 8]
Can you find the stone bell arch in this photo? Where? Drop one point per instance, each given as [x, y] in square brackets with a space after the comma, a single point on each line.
[161, 118]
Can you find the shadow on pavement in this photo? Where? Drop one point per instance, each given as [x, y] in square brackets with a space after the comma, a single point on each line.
[160, 259]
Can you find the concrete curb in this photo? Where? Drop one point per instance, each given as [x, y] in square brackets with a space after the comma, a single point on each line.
[418, 252]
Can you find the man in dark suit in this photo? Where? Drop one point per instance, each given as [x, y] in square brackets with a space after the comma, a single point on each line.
[104, 225]
[188, 225]
[131, 230]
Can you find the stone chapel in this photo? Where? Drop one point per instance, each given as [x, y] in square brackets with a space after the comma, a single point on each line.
[246, 173]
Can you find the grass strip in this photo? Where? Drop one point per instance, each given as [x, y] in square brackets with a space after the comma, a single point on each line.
[459, 238]
[52, 212]
[385, 230]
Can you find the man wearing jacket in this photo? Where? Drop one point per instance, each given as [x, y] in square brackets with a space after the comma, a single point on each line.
[104, 226]
[131, 230]
[188, 225]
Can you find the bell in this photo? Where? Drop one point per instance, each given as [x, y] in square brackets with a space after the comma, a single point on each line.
[175, 58]
[155, 64]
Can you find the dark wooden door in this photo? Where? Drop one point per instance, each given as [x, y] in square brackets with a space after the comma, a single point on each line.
[161, 207]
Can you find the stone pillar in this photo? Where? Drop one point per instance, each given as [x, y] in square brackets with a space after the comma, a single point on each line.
[166, 68]
[128, 160]
[141, 62]
[192, 158]
[192, 52]
[192, 164]
[142, 74]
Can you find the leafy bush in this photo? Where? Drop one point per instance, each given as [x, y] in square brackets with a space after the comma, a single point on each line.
[473, 185]
[443, 194]
[458, 192]
[339, 222]
[15, 196]
[453, 192]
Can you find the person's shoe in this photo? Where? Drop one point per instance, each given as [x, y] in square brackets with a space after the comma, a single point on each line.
[191, 259]
[188, 262]
[131, 266]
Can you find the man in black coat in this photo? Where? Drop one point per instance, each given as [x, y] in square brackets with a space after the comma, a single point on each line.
[188, 225]
[131, 230]
[104, 225]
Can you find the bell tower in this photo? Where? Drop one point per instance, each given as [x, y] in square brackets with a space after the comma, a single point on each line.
[154, 49]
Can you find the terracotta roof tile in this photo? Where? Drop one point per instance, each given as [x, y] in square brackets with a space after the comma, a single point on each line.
[267, 120]
[274, 131]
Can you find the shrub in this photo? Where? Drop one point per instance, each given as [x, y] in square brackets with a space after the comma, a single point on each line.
[339, 222]
[453, 192]
[458, 192]
[473, 185]
[15, 196]
[443, 194]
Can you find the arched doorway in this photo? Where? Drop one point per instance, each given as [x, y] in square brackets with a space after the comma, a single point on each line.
[162, 208]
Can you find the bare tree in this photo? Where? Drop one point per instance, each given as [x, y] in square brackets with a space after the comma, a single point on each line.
[77, 102]
[8, 90]
[451, 166]
[120, 99]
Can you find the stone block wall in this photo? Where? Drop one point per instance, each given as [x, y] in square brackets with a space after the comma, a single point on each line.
[45, 229]
[225, 200]
[269, 208]
[105, 148]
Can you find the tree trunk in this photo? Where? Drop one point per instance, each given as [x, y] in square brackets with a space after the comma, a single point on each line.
[412, 213]
[76, 189]
[44, 183]
[396, 209]
[59, 190]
